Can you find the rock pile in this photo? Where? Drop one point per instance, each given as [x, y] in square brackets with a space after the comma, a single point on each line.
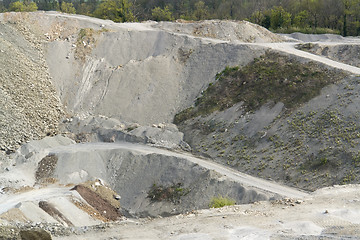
[241, 31]
[29, 106]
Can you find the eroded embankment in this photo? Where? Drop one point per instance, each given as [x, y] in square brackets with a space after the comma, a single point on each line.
[133, 173]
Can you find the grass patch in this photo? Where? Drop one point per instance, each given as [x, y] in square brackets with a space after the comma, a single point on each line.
[220, 201]
[272, 77]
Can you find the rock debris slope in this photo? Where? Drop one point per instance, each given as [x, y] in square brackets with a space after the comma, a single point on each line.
[29, 106]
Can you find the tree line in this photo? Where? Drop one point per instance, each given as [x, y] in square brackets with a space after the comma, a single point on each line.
[308, 16]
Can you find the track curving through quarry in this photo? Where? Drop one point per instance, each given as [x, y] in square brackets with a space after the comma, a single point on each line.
[289, 48]
[232, 174]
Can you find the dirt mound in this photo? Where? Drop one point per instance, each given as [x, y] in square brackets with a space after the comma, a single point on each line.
[104, 129]
[241, 31]
[132, 174]
[97, 201]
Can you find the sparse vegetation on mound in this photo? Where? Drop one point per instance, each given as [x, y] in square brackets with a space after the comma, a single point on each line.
[314, 146]
[272, 77]
[86, 41]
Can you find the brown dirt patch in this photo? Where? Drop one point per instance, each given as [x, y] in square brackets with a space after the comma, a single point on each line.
[89, 210]
[23, 189]
[104, 191]
[98, 202]
[17, 190]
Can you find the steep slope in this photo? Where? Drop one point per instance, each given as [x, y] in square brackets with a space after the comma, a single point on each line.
[30, 107]
[136, 72]
[305, 136]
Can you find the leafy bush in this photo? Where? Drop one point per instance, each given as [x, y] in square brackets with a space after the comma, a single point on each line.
[172, 193]
[67, 8]
[280, 18]
[160, 14]
[23, 7]
[220, 201]
[115, 10]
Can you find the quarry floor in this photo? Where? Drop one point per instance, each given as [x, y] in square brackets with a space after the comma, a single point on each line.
[331, 213]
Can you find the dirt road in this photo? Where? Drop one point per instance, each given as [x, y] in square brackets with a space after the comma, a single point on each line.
[9, 201]
[290, 49]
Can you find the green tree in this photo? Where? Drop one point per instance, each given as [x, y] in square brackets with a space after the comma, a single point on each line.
[2, 8]
[301, 20]
[257, 17]
[266, 22]
[30, 7]
[115, 10]
[279, 18]
[201, 11]
[48, 5]
[314, 8]
[23, 7]
[83, 9]
[350, 16]
[16, 7]
[159, 14]
[67, 8]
